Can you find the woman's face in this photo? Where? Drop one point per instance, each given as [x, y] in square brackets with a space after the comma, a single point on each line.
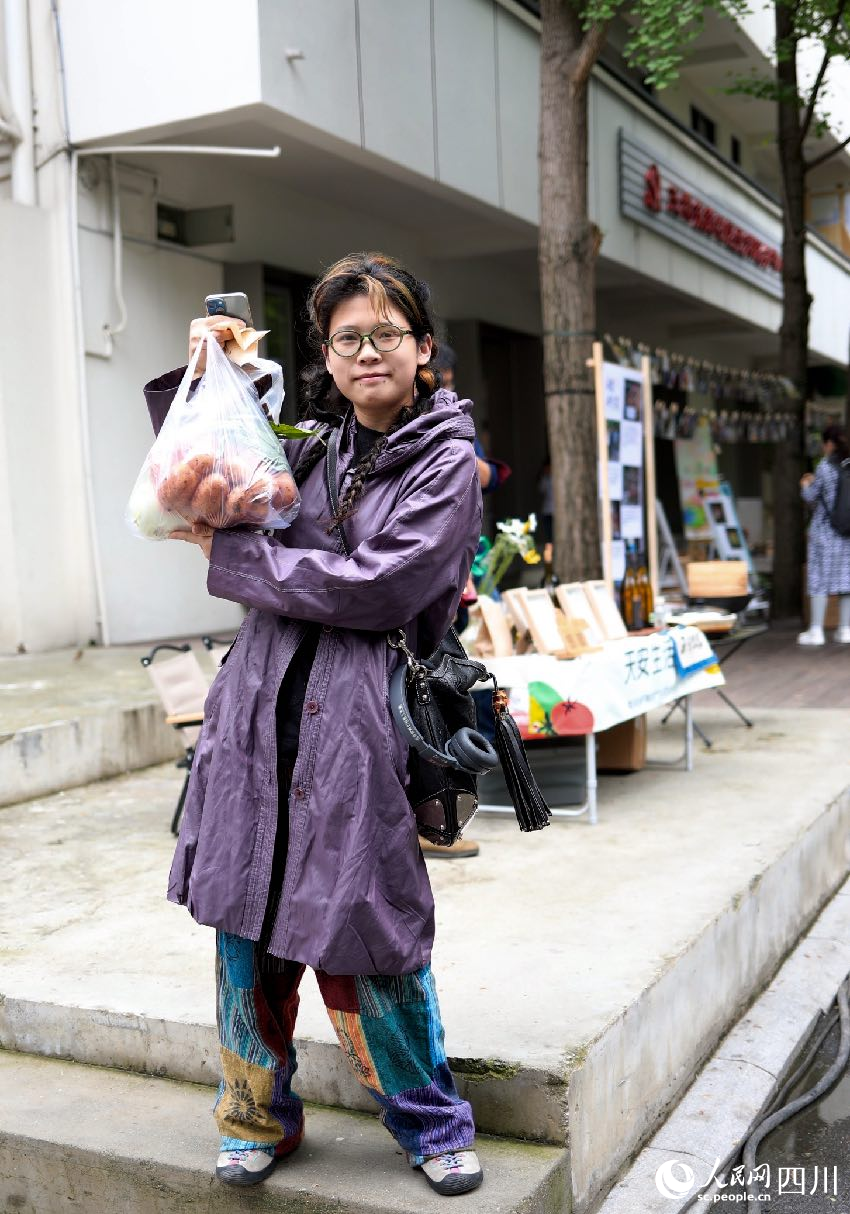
[828, 448]
[377, 384]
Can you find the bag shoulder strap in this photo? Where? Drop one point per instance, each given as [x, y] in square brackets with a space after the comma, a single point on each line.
[331, 463]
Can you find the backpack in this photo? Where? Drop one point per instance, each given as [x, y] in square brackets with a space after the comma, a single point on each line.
[839, 515]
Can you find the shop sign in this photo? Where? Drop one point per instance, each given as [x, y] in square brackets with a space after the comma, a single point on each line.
[655, 195]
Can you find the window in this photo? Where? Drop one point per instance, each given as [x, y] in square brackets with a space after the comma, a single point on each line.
[703, 126]
[199, 226]
[735, 150]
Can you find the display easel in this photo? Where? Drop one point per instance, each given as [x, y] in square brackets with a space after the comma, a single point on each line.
[669, 562]
[649, 465]
[600, 368]
[597, 362]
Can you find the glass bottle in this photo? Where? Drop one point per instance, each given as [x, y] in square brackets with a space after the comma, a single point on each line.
[631, 606]
[645, 591]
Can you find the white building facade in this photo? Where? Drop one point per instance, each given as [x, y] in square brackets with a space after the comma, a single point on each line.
[406, 127]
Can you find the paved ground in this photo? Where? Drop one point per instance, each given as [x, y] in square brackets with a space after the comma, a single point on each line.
[546, 943]
[581, 917]
[36, 689]
[773, 671]
[809, 1156]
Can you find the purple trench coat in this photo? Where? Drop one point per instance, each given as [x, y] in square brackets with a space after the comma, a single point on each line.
[356, 897]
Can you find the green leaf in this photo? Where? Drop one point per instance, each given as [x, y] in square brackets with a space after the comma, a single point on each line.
[284, 431]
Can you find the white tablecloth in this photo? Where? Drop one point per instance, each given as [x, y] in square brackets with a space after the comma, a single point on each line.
[550, 697]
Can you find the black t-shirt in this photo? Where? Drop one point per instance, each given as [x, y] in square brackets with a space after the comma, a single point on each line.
[293, 690]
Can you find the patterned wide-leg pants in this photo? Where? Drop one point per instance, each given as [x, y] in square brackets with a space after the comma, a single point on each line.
[390, 1031]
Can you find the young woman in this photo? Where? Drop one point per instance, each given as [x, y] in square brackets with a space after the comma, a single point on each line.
[828, 564]
[298, 843]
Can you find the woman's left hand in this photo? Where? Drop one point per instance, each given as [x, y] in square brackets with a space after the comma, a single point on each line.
[806, 479]
[201, 534]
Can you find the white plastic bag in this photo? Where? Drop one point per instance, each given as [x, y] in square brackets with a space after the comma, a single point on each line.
[216, 459]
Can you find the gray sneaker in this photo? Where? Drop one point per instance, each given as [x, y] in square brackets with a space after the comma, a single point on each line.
[453, 1172]
[244, 1167]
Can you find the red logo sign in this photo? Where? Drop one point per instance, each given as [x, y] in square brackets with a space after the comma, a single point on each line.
[652, 193]
[680, 204]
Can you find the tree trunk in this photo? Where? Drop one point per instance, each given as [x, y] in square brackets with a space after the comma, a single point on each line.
[788, 533]
[567, 260]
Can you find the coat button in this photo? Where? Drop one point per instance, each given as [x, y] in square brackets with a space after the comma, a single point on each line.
[327, 627]
[299, 791]
[312, 706]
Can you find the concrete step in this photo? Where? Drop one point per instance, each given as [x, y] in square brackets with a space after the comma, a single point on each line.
[77, 715]
[584, 973]
[100, 1141]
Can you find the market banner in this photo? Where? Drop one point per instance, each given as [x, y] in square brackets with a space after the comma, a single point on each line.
[550, 697]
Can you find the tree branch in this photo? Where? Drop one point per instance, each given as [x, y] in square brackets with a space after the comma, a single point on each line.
[590, 49]
[828, 51]
[813, 164]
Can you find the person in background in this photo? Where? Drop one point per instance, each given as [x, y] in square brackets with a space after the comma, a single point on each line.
[828, 570]
[492, 474]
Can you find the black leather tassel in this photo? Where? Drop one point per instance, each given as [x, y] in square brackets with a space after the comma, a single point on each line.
[531, 810]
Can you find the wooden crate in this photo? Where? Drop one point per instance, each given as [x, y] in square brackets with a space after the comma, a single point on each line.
[717, 579]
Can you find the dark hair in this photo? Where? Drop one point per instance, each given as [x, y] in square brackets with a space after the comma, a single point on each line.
[837, 435]
[386, 284]
[445, 358]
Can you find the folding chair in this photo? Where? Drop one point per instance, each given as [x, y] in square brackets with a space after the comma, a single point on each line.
[217, 648]
[724, 584]
[182, 687]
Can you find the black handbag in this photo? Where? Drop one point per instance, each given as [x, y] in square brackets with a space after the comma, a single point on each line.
[431, 703]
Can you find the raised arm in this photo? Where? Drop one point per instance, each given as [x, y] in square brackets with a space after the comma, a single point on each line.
[419, 561]
[160, 392]
[814, 487]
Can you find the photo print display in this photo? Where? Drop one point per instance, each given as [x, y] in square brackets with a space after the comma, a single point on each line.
[632, 389]
[626, 467]
[631, 486]
[613, 442]
[616, 524]
[728, 536]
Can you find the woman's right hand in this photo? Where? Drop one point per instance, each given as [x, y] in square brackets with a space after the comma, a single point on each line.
[219, 326]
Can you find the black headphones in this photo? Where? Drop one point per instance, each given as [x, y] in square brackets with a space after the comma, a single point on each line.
[467, 750]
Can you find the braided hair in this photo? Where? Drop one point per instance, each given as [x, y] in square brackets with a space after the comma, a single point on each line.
[387, 284]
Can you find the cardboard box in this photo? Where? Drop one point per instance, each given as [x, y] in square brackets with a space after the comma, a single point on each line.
[623, 748]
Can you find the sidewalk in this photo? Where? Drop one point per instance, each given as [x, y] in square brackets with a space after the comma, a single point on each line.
[78, 715]
[584, 972]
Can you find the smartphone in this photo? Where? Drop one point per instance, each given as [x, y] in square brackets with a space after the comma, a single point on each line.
[233, 304]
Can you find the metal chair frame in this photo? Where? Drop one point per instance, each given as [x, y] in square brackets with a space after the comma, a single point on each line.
[181, 721]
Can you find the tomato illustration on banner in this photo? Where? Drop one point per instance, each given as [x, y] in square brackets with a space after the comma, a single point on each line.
[571, 719]
[550, 715]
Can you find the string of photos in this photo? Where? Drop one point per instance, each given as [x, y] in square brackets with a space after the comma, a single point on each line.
[727, 426]
[678, 371]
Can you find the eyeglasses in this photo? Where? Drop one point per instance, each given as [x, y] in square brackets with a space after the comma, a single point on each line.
[383, 338]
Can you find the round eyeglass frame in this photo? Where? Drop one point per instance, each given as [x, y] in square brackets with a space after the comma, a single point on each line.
[402, 333]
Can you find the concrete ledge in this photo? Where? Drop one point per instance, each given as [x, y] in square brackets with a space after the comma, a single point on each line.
[752, 1062]
[80, 1138]
[585, 974]
[44, 759]
[591, 1102]
[515, 1101]
[708, 985]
